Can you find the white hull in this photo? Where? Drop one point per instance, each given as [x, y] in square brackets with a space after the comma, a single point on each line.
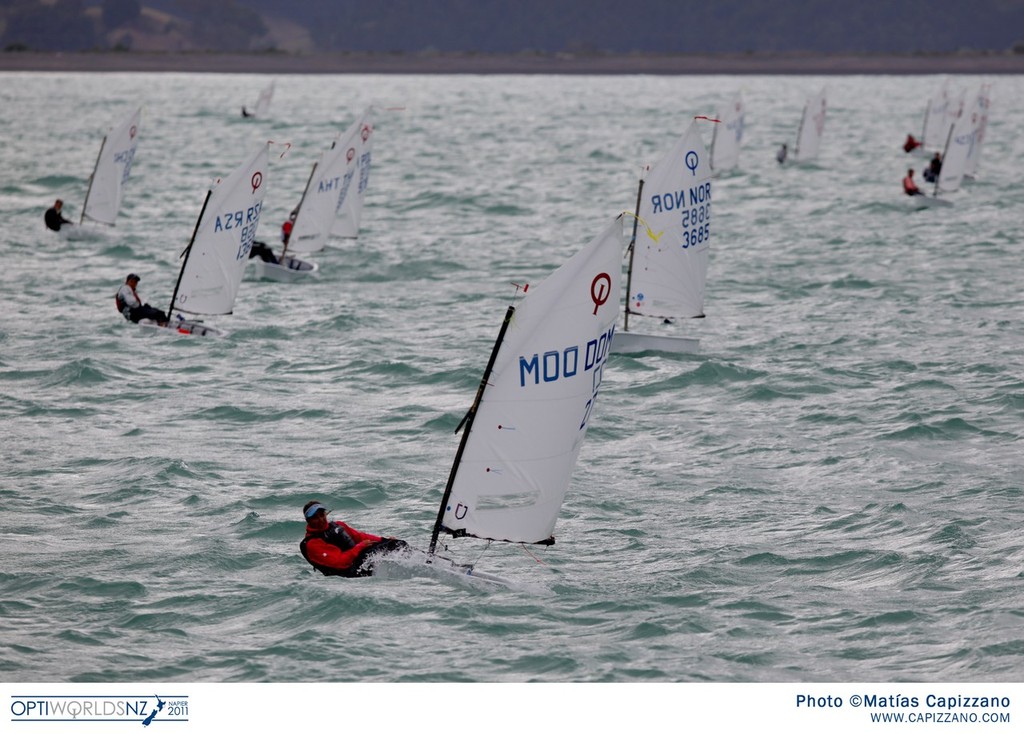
[630, 342]
[87, 232]
[183, 326]
[929, 202]
[417, 563]
[292, 270]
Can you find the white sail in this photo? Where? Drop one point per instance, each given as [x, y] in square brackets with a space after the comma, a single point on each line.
[518, 456]
[358, 137]
[215, 260]
[327, 191]
[981, 107]
[936, 120]
[728, 133]
[958, 150]
[113, 166]
[670, 255]
[812, 125]
[263, 102]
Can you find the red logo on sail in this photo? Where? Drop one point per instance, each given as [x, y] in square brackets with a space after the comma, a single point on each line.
[257, 181]
[600, 289]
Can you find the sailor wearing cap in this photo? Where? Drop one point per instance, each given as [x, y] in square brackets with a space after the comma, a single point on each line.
[132, 307]
[337, 549]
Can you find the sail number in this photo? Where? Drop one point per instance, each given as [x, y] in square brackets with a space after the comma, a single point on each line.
[696, 225]
[245, 220]
[125, 158]
[563, 364]
[342, 192]
[694, 208]
[364, 171]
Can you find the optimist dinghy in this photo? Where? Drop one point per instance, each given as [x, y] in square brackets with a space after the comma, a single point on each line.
[214, 261]
[668, 252]
[522, 435]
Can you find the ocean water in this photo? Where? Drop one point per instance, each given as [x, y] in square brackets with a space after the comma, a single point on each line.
[830, 490]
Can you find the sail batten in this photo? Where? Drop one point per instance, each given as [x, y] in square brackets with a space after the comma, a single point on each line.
[535, 404]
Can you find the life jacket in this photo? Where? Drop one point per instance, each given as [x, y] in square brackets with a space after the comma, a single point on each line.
[124, 309]
[337, 536]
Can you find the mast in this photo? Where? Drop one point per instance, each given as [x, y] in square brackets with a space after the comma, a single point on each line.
[187, 251]
[467, 422]
[96, 165]
[799, 132]
[924, 129]
[632, 250]
[298, 209]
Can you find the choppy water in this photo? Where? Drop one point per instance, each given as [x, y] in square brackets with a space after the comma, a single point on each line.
[831, 490]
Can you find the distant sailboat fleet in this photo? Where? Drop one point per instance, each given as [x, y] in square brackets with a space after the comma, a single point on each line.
[668, 252]
[952, 136]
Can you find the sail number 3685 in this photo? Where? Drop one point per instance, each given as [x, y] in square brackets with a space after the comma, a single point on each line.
[696, 225]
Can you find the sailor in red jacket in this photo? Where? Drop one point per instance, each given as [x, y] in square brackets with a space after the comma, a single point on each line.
[337, 549]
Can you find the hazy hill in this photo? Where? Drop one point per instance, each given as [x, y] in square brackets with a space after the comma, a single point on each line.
[516, 26]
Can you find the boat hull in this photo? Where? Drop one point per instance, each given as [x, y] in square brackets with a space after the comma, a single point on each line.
[187, 327]
[930, 202]
[630, 342]
[292, 270]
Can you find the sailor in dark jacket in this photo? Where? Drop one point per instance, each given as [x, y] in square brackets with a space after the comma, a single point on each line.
[53, 218]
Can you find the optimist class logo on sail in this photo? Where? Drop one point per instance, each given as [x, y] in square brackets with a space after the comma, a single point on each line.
[562, 364]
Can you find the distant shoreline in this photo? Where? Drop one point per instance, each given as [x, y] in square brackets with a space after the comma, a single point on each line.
[467, 63]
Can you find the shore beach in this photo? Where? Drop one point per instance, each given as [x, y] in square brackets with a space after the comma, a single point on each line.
[472, 63]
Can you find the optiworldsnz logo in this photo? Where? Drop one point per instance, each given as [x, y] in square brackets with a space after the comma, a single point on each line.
[136, 710]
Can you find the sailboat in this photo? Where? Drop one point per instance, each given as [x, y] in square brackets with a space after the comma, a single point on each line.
[360, 136]
[982, 103]
[523, 433]
[725, 140]
[327, 192]
[812, 125]
[668, 252]
[214, 261]
[113, 165]
[960, 140]
[262, 103]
